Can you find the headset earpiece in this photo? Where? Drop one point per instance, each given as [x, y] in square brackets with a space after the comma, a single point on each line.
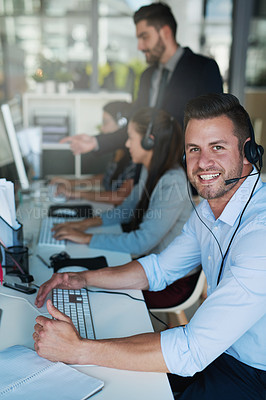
[147, 141]
[121, 120]
[253, 151]
[184, 161]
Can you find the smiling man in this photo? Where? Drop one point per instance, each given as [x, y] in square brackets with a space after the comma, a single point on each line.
[221, 353]
[214, 158]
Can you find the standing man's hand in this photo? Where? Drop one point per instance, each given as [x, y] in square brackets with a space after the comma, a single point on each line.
[81, 143]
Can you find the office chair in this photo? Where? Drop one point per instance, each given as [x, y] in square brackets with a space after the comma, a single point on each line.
[179, 310]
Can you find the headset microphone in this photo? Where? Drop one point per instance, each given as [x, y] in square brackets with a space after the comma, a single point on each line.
[232, 180]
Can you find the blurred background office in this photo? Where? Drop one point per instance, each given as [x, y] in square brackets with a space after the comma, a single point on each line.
[61, 61]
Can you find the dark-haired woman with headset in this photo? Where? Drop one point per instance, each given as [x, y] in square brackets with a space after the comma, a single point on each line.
[158, 206]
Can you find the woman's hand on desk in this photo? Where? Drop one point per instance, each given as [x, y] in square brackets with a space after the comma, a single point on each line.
[57, 340]
[79, 225]
[70, 280]
[75, 235]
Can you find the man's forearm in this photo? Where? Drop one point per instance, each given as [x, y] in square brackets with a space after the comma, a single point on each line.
[136, 353]
[57, 340]
[127, 276]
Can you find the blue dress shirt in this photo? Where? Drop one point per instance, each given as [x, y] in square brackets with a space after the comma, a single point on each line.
[169, 208]
[233, 317]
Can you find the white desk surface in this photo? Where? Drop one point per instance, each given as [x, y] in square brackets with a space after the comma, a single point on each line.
[113, 315]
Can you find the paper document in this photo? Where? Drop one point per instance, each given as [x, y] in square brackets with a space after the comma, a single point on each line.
[7, 201]
[25, 375]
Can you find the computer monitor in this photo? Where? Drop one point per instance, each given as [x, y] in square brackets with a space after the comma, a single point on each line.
[14, 146]
[7, 164]
[6, 156]
[16, 113]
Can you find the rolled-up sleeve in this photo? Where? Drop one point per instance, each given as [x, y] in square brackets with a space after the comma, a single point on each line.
[177, 260]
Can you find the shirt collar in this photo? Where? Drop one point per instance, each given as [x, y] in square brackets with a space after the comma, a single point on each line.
[239, 199]
[171, 63]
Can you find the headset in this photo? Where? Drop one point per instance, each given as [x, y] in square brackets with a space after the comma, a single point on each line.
[148, 139]
[121, 120]
[253, 151]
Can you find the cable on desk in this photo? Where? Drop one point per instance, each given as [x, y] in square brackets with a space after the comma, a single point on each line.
[120, 293]
[20, 298]
[33, 284]
[131, 297]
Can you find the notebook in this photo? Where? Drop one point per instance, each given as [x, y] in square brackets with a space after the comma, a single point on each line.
[25, 375]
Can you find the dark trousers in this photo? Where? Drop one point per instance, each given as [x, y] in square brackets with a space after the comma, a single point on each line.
[224, 379]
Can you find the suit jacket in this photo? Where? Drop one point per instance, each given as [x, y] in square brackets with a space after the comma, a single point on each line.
[193, 76]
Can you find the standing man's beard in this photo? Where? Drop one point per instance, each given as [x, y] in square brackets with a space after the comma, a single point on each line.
[153, 55]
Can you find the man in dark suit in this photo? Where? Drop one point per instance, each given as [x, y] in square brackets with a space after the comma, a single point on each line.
[189, 75]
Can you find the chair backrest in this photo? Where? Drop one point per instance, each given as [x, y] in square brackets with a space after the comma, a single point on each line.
[190, 301]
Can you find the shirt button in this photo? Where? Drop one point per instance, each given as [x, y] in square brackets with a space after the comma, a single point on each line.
[209, 257]
[215, 228]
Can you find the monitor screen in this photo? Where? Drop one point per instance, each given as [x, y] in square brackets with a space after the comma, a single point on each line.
[16, 113]
[14, 146]
[7, 164]
[6, 156]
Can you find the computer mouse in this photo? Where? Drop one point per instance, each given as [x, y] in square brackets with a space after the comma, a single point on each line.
[64, 212]
[72, 269]
[61, 198]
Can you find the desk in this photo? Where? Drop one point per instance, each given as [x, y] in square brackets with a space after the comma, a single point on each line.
[113, 315]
